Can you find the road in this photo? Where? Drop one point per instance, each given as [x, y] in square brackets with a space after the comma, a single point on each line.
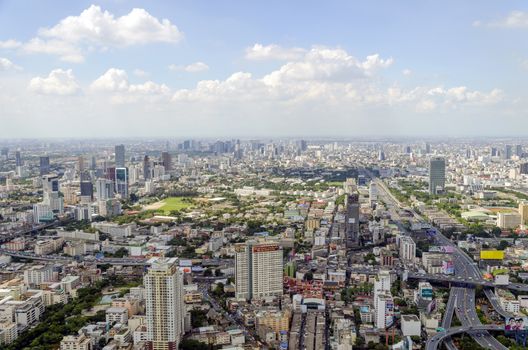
[466, 272]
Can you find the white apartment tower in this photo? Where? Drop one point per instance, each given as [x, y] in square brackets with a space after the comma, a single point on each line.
[407, 249]
[164, 302]
[258, 270]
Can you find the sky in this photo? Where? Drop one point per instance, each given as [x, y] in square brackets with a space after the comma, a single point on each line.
[249, 69]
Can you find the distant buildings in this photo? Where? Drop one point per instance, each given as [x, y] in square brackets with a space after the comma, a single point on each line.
[121, 182]
[164, 303]
[258, 270]
[44, 165]
[437, 175]
[120, 156]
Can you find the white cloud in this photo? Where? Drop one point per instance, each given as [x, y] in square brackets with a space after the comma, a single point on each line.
[112, 80]
[191, 68]
[58, 82]
[515, 19]
[6, 64]
[273, 52]
[140, 73]
[407, 72]
[115, 81]
[10, 44]
[98, 29]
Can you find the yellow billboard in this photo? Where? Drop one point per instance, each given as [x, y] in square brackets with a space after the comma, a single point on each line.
[492, 254]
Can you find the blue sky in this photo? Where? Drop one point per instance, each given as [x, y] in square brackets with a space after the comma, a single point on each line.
[296, 68]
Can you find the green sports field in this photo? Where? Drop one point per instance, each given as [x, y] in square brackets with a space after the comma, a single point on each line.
[174, 203]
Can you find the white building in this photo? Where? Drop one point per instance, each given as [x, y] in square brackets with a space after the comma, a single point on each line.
[164, 302]
[258, 270]
[407, 249]
[38, 274]
[508, 220]
[411, 325]
[117, 315]
[76, 342]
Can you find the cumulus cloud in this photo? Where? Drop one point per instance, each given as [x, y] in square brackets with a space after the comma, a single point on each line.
[515, 19]
[97, 29]
[273, 52]
[58, 82]
[115, 81]
[191, 68]
[6, 64]
[332, 77]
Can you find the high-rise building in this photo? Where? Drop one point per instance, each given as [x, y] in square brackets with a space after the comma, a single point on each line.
[44, 165]
[383, 301]
[165, 308]
[121, 182]
[507, 153]
[120, 156]
[146, 168]
[87, 190]
[493, 151]
[352, 212]
[166, 159]
[104, 189]
[407, 249]
[437, 175]
[427, 148]
[519, 151]
[18, 159]
[523, 168]
[381, 156]
[258, 270]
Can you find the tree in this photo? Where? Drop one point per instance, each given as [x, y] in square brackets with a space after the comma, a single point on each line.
[503, 245]
[219, 289]
[191, 344]
[208, 272]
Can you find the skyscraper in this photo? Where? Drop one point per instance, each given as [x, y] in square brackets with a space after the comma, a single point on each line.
[18, 159]
[436, 175]
[519, 151]
[164, 303]
[258, 270]
[87, 190]
[507, 153]
[166, 159]
[146, 168]
[121, 182]
[105, 189]
[44, 165]
[120, 156]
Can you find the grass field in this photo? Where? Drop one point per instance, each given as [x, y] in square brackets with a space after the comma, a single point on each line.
[335, 183]
[174, 203]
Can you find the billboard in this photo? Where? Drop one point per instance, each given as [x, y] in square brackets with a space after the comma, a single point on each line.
[492, 254]
[427, 292]
[448, 268]
[517, 327]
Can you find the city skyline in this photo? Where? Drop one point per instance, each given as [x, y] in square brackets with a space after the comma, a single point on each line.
[95, 70]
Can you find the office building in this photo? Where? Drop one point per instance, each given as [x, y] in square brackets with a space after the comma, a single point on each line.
[76, 342]
[519, 151]
[437, 175]
[352, 219]
[166, 159]
[146, 168]
[121, 182]
[18, 159]
[523, 168]
[507, 153]
[52, 198]
[120, 156]
[104, 189]
[44, 165]
[165, 309]
[86, 190]
[258, 270]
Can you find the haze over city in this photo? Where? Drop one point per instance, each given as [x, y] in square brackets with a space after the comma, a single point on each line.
[234, 175]
[339, 68]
